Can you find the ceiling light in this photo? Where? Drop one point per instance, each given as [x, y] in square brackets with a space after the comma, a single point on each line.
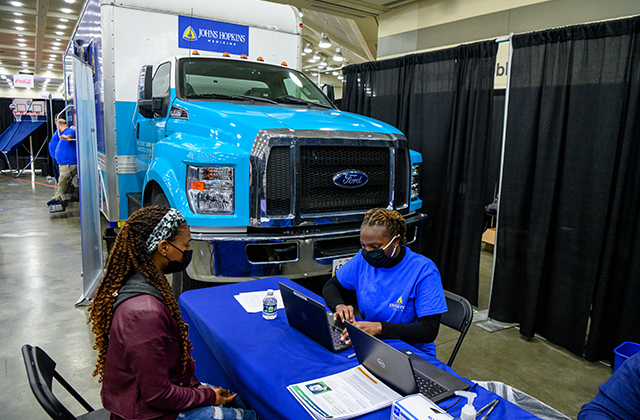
[56, 43]
[69, 1]
[25, 63]
[49, 66]
[3, 76]
[324, 42]
[16, 4]
[22, 44]
[61, 26]
[17, 13]
[19, 28]
[323, 63]
[308, 49]
[314, 74]
[65, 10]
[340, 77]
[338, 56]
[335, 73]
[301, 14]
[311, 60]
[47, 81]
[48, 72]
[58, 39]
[59, 33]
[55, 48]
[303, 53]
[316, 56]
[19, 21]
[64, 20]
[52, 59]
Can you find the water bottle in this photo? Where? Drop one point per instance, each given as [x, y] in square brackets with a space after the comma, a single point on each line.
[269, 306]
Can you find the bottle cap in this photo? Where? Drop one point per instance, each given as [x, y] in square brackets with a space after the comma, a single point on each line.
[270, 292]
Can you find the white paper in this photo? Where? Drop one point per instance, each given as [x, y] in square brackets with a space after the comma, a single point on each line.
[344, 395]
[252, 301]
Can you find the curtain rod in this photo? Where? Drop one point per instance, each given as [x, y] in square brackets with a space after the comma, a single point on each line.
[501, 40]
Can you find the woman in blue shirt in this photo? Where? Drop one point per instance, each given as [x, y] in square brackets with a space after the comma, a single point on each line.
[399, 292]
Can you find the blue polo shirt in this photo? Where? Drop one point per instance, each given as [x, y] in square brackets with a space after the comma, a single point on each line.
[401, 294]
[53, 144]
[619, 397]
[66, 151]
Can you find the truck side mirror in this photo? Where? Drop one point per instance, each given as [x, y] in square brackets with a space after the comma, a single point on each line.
[328, 90]
[145, 107]
[157, 105]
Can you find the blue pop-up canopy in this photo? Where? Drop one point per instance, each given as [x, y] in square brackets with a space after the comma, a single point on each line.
[16, 133]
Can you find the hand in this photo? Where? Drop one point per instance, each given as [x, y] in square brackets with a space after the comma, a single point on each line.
[345, 313]
[223, 396]
[373, 328]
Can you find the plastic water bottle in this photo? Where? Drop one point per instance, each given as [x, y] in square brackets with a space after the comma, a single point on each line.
[270, 306]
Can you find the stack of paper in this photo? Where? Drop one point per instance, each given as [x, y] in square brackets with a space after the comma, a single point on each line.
[344, 395]
[252, 301]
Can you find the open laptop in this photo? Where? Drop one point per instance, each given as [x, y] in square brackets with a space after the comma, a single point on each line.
[312, 319]
[404, 373]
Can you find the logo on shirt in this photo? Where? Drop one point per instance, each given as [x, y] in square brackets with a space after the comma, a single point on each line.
[397, 306]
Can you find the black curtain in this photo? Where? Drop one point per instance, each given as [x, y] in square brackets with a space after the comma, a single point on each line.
[569, 212]
[442, 101]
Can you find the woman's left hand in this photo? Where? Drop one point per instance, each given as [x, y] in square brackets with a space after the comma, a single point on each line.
[223, 396]
[373, 328]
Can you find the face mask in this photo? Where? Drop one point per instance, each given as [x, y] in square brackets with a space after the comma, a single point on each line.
[377, 257]
[177, 266]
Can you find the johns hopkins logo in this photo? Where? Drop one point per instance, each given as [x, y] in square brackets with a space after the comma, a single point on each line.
[189, 34]
[398, 305]
[351, 178]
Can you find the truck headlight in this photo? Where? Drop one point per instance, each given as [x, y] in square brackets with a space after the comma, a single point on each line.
[211, 189]
[415, 181]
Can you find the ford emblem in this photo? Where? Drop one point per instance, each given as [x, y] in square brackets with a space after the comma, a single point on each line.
[381, 363]
[350, 178]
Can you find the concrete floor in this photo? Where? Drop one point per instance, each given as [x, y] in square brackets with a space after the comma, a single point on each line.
[40, 266]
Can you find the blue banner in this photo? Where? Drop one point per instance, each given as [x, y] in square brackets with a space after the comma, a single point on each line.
[211, 35]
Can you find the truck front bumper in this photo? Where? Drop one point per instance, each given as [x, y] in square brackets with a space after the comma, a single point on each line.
[219, 258]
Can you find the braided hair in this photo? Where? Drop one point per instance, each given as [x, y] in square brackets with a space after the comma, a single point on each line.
[391, 220]
[129, 254]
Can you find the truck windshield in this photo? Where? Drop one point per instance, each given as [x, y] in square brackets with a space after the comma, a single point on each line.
[212, 78]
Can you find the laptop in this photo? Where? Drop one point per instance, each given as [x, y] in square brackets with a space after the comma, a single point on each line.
[405, 373]
[312, 319]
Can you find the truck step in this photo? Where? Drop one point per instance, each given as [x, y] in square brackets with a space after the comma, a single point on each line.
[134, 202]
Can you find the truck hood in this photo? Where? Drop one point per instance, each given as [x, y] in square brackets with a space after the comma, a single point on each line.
[242, 122]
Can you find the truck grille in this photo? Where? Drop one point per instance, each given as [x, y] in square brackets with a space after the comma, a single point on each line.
[278, 189]
[318, 165]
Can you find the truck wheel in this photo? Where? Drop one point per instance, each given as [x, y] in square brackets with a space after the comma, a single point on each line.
[160, 199]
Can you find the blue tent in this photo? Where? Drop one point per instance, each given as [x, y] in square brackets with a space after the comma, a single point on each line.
[16, 133]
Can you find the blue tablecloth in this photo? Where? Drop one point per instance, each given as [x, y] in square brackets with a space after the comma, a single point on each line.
[259, 358]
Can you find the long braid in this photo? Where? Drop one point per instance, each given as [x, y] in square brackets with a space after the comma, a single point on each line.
[389, 219]
[129, 254]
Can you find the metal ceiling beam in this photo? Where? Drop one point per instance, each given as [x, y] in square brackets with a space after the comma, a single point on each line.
[355, 50]
[41, 29]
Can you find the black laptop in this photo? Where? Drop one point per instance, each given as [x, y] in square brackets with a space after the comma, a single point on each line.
[312, 319]
[404, 373]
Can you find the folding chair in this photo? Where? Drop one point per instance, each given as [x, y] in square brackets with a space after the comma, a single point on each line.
[458, 317]
[41, 370]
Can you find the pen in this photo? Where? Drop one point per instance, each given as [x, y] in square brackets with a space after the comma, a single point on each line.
[485, 408]
[351, 356]
[490, 410]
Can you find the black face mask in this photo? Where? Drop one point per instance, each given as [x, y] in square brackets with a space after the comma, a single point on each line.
[377, 258]
[177, 266]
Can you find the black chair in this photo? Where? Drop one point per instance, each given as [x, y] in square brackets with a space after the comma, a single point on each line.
[41, 370]
[458, 317]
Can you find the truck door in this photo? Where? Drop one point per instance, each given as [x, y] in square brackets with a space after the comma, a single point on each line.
[151, 117]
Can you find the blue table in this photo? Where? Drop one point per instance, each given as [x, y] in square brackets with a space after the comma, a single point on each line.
[259, 358]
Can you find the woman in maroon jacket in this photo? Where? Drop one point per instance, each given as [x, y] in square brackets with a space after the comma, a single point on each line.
[144, 360]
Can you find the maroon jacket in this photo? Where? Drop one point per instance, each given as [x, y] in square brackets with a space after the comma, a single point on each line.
[143, 377]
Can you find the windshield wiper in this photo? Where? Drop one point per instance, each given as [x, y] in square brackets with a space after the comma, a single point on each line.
[294, 100]
[225, 96]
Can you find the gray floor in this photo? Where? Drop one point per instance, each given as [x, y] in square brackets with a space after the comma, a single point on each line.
[40, 265]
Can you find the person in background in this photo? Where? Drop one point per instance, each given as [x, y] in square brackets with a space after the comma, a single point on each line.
[53, 145]
[399, 293]
[144, 359]
[619, 397]
[67, 161]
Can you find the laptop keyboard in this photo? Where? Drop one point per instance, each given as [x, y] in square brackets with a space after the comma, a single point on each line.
[336, 333]
[427, 387]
